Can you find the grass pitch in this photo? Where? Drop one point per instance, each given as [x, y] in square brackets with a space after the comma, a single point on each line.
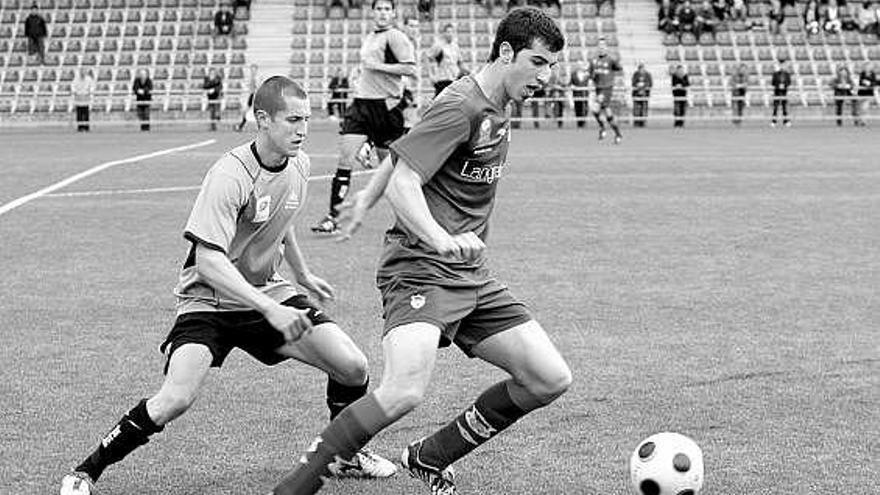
[722, 283]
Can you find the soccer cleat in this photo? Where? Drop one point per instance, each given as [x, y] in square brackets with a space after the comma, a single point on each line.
[77, 483]
[364, 464]
[617, 139]
[787, 124]
[441, 482]
[772, 124]
[327, 225]
[602, 134]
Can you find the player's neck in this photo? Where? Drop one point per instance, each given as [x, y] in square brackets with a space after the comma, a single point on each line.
[267, 156]
[490, 80]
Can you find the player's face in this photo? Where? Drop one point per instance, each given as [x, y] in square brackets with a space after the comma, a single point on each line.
[383, 14]
[449, 34]
[288, 128]
[529, 71]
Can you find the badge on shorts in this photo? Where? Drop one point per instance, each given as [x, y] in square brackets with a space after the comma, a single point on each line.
[261, 212]
[417, 301]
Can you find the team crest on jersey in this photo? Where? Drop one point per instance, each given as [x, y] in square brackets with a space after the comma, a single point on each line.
[263, 207]
[292, 202]
[417, 301]
[485, 131]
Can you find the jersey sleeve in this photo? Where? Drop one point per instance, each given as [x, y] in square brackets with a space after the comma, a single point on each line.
[402, 47]
[213, 219]
[434, 139]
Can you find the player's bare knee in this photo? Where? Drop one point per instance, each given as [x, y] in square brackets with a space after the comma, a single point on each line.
[397, 401]
[353, 371]
[549, 385]
[168, 405]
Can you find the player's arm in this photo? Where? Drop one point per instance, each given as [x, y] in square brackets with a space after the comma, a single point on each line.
[353, 210]
[404, 192]
[301, 273]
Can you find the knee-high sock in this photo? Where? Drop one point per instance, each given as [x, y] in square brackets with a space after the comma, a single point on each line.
[613, 124]
[344, 436]
[340, 396]
[492, 412]
[339, 189]
[132, 431]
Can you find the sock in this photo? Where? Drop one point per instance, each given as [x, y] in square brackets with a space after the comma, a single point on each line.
[344, 436]
[339, 396]
[492, 412]
[599, 120]
[614, 126]
[339, 189]
[132, 431]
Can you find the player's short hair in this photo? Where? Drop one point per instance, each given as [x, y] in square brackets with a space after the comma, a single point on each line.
[522, 26]
[393, 5]
[270, 95]
[447, 26]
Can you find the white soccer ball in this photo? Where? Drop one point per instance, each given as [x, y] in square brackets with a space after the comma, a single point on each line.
[666, 464]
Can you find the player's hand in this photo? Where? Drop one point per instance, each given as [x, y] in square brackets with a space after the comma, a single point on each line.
[318, 286]
[465, 247]
[291, 322]
[370, 64]
[351, 215]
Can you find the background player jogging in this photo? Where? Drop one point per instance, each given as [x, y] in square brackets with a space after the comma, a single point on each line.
[375, 117]
[230, 295]
[436, 287]
[603, 69]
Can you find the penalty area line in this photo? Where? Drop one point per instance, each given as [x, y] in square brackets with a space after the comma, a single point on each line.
[94, 170]
[152, 190]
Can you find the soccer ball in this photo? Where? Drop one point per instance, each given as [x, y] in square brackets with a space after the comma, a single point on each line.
[667, 464]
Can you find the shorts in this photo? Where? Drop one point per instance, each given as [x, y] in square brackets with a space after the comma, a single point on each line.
[372, 118]
[222, 331]
[465, 315]
[604, 97]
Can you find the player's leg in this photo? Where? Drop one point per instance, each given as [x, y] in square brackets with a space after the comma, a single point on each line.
[349, 147]
[410, 354]
[609, 117]
[187, 369]
[539, 375]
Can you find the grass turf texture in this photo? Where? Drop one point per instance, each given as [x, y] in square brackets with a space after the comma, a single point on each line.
[719, 283]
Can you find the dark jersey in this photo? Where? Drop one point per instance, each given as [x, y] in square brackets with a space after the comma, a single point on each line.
[602, 70]
[781, 81]
[459, 148]
[867, 83]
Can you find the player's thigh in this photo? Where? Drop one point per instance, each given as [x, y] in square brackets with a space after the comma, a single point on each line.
[410, 353]
[349, 146]
[529, 356]
[331, 350]
[186, 371]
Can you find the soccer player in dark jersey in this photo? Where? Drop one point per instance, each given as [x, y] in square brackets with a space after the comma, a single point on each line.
[230, 294]
[781, 81]
[436, 287]
[603, 68]
[375, 117]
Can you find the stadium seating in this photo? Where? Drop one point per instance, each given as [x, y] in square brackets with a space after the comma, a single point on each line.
[114, 38]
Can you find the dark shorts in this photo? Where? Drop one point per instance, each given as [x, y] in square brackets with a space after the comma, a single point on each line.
[372, 118]
[465, 315]
[604, 97]
[222, 331]
[250, 102]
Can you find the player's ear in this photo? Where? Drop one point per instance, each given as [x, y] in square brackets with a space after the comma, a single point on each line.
[505, 52]
[262, 118]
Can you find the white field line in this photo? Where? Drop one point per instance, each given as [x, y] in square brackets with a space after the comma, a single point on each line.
[94, 170]
[111, 192]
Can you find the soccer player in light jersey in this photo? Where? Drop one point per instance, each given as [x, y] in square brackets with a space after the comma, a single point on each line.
[230, 293]
[603, 68]
[375, 117]
[436, 287]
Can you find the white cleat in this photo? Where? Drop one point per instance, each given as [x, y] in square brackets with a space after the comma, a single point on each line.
[77, 483]
[364, 464]
[441, 482]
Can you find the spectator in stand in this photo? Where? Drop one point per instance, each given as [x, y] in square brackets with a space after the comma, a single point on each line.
[580, 94]
[338, 94]
[812, 17]
[844, 90]
[775, 16]
[83, 90]
[641, 93]
[35, 31]
[343, 4]
[869, 19]
[831, 21]
[680, 85]
[850, 16]
[866, 92]
[781, 81]
[722, 9]
[143, 95]
[252, 85]
[426, 10]
[243, 5]
[666, 17]
[738, 11]
[213, 86]
[707, 21]
[739, 84]
[224, 21]
[685, 18]
[444, 60]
